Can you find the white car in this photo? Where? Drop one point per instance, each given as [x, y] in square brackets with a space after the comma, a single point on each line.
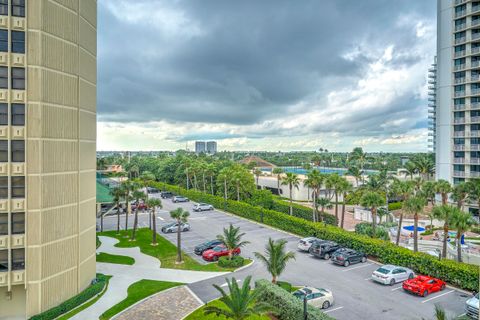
[305, 243]
[390, 274]
[202, 207]
[317, 297]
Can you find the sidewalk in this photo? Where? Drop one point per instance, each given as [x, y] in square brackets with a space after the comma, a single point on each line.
[145, 267]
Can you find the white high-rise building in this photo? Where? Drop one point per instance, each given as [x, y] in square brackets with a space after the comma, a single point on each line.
[457, 112]
[211, 147]
[200, 147]
[432, 112]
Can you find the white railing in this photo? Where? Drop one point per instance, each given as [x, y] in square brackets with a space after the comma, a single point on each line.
[475, 22]
[474, 174]
[474, 119]
[460, 66]
[459, 173]
[475, 64]
[457, 2]
[459, 120]
[460, 13]
[474, 133]
[475, 147]
[458, 147]
[459, 160]
[474, 105]
[460, 40]
[475, 91]
[475, 160]
[459, 93]
[460, 26]
[475, 77]
[458, 80]
[459, 107]
[475, 36]
[476, 49]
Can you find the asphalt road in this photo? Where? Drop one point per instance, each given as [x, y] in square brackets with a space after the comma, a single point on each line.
[356, 296]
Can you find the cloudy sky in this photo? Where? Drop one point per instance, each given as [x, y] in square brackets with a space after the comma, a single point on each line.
[264, 75]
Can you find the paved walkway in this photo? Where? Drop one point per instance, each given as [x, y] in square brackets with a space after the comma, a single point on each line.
[175, 303]
[145, 267]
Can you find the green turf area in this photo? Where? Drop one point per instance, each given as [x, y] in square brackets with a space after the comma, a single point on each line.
[103, 194]
[111, 258]
[198, 314]
[165, 251]
[85, 305]
[136, 292]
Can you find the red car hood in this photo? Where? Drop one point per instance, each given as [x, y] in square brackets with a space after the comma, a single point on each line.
[415, 283]
[209, 252]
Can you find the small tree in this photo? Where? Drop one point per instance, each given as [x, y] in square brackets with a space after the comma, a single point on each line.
[275, 258]
[257, 173]
[153, 204]
[414, 205]
[292, 181]
[445, 213]
[462, 221]
[232, 238]
[278, 172]
[373, 200]
[240, 304]
[117, 193]
[137, 195]
[324, 203]
[181, 216]
[444, 188]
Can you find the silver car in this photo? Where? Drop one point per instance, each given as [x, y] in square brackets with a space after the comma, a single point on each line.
[202, 207]
[173, 227]
[390, 274]
[317, 297]
[305, 243]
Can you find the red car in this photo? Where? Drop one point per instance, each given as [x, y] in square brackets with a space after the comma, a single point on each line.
[423, 285]
[217, 252]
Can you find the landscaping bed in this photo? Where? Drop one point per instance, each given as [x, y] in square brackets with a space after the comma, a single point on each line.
[112, 258]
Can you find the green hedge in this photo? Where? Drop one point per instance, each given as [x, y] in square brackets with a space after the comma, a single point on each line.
[301, 211]
[236, 262]
[74, 302]
[462, 275]
[394, 206]
[286, 306]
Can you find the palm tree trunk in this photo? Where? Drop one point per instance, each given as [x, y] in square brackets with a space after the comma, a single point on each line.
[374, 221]
[211, 183]
[135, 224]
[459, 247]
[291, 201]
[314, 215]
[126, 215]
[179, 239]
[274, 279]
[343, 210]
[336, 207]
[154, 225]
[444, 198]
[238, 191]
[278, 185]
[118, 219]
[150, 219]
[225, 188]
[399, 229]
[204, 183]
[320, 214]
[445, 235]
[415, 232]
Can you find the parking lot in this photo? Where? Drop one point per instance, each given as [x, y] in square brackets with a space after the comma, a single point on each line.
[356, 296]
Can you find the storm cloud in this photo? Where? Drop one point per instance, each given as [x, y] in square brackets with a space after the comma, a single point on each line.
[253, 69]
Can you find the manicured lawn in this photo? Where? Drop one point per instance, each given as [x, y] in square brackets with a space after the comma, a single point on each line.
[136, 292]
[98, 242]
[112, 258]
[198, 314]
[165, 251]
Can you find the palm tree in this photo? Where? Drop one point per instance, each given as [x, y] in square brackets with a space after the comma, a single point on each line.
[414, 205]
[460, 194]
[314, 181]
[345, 188]
[278, 172]
[223, 176]
[324, 203]
[210, 172]
[127, 187]
[153, 204]
[257, 173]
[240, 304]
[425, 166]
[182, 217]
[275, 258]
[462, 221]
[410, 169]
[334, 181]
[232, 238]
[145, 179]
[431, 216]
[474, 191]
[445, 213]
[355, 172]
[428, 191]
[361, 158]
[292, 180]
[373, 200]
[403, 189]
[137, 195]
[117, 193]
[444, 188]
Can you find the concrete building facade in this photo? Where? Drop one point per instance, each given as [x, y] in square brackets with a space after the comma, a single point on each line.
[47, 152]
[458, 90]
[211, 147]
[200, 147]
[432, 107]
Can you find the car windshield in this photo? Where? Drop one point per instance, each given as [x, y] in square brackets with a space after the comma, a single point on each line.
[299, 294]
[384, 271]
[170, 224]
[210, 243]
[218, 249]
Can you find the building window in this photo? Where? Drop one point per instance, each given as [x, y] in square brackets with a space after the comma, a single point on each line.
[18, 8]
[3, 150]
[18, 78]
[3, 187]
[3, 114]
[3, 260]
[3, 40]
[18, 114]
[18, 223]
[18, 41]
[3, 77]
[3, 224]
[18, 259]
[18, 187]
[18, 151]
[4, 7]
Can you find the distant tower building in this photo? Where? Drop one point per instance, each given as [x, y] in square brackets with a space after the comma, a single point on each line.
[432, 106]
[211, 147]
[200, 147]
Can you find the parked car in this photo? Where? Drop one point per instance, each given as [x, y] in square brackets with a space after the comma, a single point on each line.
[346, 257]
[166, 195]
[173, 227]
[180, 199]
[217, 252]
[423, 285]
[305, 243]
[317, 297]
[141, 206]
[324, 249]
[471, 307]
[206, 246]
[152, 190]
[202, 207]
[390, 274]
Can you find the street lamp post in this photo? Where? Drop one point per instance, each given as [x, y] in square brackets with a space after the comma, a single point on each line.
[305, 314]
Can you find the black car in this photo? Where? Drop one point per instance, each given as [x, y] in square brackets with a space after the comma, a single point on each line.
[166, 195]
[346, 257]
[206, 246]
[324, 249]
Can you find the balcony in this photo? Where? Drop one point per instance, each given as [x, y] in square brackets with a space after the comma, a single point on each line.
[475, 91]
[459, 94]
[458, 2]
[461, 66]
[475, 160]
[431, 87]
[459, 134]
[431, 99]
[475, 64]
[459, 147]
[475, 36]
[459, 80]
[432, 81]
[474, 105]
[459, 160]
[460, 26]
[475, 147]
[475, 77]
[459, 107]
[460, 40]
[475, 49]
[459, 120]
[474, 174]
[475, 9]
[475, 22]
[460, 13]
[474, 134]
[459, 173]
[474, 119]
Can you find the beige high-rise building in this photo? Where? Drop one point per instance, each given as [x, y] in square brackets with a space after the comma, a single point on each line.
[47, 152]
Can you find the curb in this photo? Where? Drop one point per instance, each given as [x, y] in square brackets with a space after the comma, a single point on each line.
[196, 298]
[244, 267]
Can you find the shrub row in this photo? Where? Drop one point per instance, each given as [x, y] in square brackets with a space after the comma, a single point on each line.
[462, 275]
[367, 229]
[286, 306]
[236, 262]
[394, 206]
[95, 288]
[301, 211]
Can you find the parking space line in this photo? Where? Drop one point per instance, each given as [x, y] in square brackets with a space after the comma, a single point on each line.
[161, 218]
[350, 269]
[367, 279]
[397, 288]
[440, 295]
[333, 310]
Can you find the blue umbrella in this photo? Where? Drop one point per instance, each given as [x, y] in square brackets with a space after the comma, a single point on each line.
[412, 228]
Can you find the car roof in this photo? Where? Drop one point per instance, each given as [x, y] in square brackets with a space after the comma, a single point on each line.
[309, 238]
[388, 267]
[310, 290]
